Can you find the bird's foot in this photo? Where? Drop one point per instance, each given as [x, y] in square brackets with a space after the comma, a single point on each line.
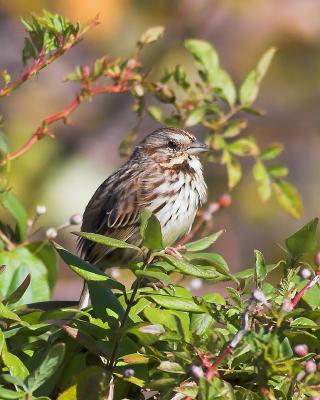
[173, 251]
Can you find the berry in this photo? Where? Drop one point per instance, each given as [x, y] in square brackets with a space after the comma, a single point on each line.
[310, 367]
[305, 273]
[225, 200]
[301, 350]
[196, 371]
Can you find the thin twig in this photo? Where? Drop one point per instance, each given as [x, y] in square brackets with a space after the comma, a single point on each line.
[302, 292]
[42, 62]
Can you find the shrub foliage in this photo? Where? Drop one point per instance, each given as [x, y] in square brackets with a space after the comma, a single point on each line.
[260, 341]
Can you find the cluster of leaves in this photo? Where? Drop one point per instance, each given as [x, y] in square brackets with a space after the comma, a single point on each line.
[157, 339]
[161, 338]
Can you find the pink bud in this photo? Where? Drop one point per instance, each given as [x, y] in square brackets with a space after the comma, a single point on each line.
[301, 350]
[310, 367]
[305, 273]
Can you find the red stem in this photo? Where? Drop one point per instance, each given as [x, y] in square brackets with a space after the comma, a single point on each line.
[302, 292]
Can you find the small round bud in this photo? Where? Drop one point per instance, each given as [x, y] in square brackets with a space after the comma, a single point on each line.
[301, 350]
[213, 207]
[305, 273]
[51, 233]
[40, 210]
[128, 373]
[195, 284]
[225, 200]
[317, 259]
[310, 367]
[196, 371]
[287, 305]
[75, 219]
[259, 296]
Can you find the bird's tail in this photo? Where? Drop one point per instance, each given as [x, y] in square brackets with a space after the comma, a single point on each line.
[84, 297]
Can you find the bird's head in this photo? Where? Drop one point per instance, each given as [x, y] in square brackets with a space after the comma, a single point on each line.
[171, 147]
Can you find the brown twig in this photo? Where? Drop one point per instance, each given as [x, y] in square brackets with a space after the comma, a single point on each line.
[42, 130]
[42, 62]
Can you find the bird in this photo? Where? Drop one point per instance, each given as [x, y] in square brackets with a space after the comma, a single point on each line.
[164, 176]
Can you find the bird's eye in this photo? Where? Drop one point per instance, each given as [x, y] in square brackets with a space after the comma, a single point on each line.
[172, 145]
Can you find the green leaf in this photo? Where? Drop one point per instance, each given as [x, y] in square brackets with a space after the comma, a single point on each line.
[200, 323]
[250, 87]
[5, 313]
[14, 364]
[151, 35]
[6, 394]
[203, 243]
[87, 271]
[150, 230]
[278, 171]
[261, 175]
[21, 262]
[176, 303]
[48, 367]
[260, 269]
[156, 275]
[16, 295]
[244, 147]
[206, 57]
[234, 128]
[15, 208]
[106, 241]
[288, 198]
[171, 367]
[103, 300]
[233, 169]
[272, 151]
[304, 241]
[195, 116]
[214, 259]
[225, 86]
[204, 272]
[176, 321]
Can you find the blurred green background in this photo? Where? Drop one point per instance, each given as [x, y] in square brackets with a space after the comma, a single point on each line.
[63, 173]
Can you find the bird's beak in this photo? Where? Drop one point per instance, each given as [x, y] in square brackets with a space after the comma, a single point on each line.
[197, 147]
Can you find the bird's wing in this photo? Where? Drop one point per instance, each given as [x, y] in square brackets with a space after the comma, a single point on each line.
[114, 210]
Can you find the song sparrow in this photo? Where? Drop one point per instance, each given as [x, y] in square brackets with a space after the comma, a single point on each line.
[163, 175]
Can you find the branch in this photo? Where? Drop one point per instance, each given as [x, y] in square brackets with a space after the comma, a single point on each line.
[42, 62]
[302, 292]
[42, 130]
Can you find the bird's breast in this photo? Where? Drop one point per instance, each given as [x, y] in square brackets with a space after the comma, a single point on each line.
[177, 200]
